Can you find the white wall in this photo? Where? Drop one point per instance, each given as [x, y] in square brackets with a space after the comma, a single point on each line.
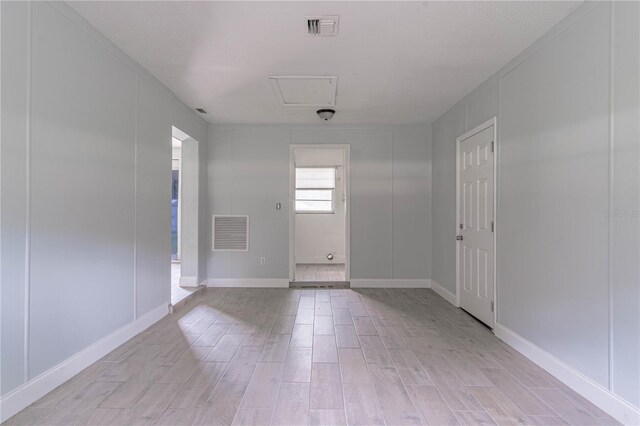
[189, 206]
[318, 234]
[175, 155]
[86, 172]
[568, 147]
[390, 197]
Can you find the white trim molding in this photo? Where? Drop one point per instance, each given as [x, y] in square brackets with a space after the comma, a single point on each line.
[492, 122]
[597, 394]
[594, 392]
[443, 292]
[390, 283]
[346, 149]
[36, 388]
[284, 283]
[248, 282]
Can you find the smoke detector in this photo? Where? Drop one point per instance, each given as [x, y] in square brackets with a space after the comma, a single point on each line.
[322, 25]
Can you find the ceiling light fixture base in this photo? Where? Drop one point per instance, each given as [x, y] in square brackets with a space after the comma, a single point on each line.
[326, 114]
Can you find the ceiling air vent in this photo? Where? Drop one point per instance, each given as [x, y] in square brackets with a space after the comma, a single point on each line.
[322, 25]
[230, 233]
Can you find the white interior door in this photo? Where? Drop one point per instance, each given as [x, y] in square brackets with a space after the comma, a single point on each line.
[476, 227]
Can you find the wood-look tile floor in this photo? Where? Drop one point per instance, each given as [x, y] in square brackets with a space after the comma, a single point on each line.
[296, 357]
[320, 272]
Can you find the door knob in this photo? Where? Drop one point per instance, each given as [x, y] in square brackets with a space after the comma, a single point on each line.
[459, 237]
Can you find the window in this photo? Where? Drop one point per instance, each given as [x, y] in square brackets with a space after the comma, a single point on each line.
[315, 188]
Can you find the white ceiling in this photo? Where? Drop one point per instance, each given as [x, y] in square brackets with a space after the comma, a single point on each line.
[396, 62]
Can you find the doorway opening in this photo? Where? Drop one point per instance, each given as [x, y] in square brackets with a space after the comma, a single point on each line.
[475, 227]
[319, 218]
[176, 150]
[184, 215]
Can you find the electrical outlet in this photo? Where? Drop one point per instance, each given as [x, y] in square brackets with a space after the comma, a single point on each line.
[263, 261]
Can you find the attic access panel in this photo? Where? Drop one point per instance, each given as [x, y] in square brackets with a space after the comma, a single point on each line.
[305, 91]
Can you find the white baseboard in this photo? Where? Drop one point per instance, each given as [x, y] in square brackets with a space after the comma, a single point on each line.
[36, 388]
[247, 282]
[284, 283]
[444, 293]
[389, 283]
[186, 281]
[594, 392]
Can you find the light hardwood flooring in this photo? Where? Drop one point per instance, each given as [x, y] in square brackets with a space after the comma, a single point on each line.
[296, 357]
[320, 272]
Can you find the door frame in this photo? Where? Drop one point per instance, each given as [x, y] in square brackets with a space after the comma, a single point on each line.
[179, 209]
[346, 149]
[491, 122]
[189, 213]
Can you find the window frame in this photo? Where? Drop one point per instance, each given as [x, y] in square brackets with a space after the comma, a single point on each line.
[333, 191]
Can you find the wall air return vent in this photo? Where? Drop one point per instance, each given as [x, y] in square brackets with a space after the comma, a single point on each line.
[230, 233]
[322, 25]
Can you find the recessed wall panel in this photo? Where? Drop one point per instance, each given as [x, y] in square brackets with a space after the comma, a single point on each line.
[445, 130]
[82, 197]
[482, 272]
[467, 207]
[482, 213]
[482, 154]
[467, 258]
[13, 165]
[626, 201]
[411, 198]
[554, 190]
[153, 192]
